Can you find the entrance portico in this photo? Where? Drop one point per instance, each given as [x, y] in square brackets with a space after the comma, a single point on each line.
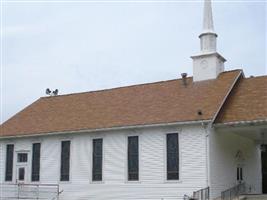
[244, 159]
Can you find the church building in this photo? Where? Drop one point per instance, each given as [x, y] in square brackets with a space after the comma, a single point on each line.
[201, 137]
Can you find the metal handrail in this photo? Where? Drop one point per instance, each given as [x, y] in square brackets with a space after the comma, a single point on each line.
[29, 191]
[203, 194]
[234, 192]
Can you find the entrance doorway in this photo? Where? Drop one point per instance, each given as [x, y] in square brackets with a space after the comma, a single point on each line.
[264, 169]
[22, 167]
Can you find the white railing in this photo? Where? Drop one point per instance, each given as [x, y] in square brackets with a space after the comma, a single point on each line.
[29, 191]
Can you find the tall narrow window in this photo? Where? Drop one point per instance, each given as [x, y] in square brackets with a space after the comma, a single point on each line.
[65, 161]
[9, 162]
[97, 159]
[172, 156]
[36, 147]
[133, 158]
[239, 174]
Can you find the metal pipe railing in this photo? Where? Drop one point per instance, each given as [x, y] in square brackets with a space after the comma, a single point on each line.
[203, 194]
[234, 192]
[29, 191]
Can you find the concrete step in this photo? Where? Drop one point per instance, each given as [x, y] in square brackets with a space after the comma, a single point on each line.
[249, 197]
[253, 197]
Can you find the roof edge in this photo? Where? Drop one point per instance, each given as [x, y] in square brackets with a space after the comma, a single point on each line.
[241, 74]
[241, 123]
[108, 129]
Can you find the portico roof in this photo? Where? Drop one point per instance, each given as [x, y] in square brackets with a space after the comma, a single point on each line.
[247, 102]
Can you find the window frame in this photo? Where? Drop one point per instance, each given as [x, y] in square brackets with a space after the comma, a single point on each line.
[18, 158]
[70, 161]
[240, 173]
[31, 163]
[23, 169]
[92, 158]
[138, 133]
[127, 158]
[13, 163]
[179, 180]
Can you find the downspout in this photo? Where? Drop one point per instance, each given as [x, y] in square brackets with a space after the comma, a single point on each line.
[207, 128]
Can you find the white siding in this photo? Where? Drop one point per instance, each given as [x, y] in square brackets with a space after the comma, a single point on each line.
[2, 162]
[152, 182]
[50, 160]
[223, 163]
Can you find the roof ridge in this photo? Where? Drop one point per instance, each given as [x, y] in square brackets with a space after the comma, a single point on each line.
[127, 86]
[114, 88]
[254, 77]
[232, 70]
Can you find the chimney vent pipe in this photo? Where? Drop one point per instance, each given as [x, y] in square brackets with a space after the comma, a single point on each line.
[184, 76]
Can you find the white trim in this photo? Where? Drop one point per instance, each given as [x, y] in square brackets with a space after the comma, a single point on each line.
[25, 165]
[37, 140]
[240, 123]
[26, 173]
[22, 152]
[109, 129]
[207, 149]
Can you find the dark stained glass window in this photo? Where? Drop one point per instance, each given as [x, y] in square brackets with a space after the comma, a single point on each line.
[172, 156]
[9, 162]
[97, 159]
[133, 158]
[36, 147]
[21, 174]
[65, 161]
[22, 157]
[239, 174]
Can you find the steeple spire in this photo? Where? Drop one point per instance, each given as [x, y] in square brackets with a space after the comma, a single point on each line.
[208, 64]
[207, 17]
[208, 37]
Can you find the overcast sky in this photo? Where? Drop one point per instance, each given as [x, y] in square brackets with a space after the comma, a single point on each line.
[79, 47]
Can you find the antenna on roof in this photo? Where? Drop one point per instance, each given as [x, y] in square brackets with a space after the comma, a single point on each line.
[55, 92]
[48, 91]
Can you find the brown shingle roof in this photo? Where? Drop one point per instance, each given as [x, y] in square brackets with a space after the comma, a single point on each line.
[247, 101]
[154, 103]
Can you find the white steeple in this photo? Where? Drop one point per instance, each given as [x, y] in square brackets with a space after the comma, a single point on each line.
[207, 17]
[208, 64]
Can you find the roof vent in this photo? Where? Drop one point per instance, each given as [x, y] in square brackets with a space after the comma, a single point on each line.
[184, 75]
[199, 112]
